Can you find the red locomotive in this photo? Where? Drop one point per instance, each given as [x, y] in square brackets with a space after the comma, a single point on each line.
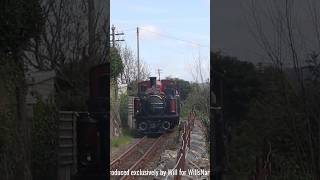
[157, 107]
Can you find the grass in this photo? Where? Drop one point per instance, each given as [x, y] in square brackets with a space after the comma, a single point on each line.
[184, 112]
[123, 139]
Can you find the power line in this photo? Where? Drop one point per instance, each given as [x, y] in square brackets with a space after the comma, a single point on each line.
[169, 37]
[129, 29]
[175, 38]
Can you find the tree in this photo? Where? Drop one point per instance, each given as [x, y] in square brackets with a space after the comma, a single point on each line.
[116, 64]
[184, 87]
[200, 89]
[20, 22]
[288, 49]
[116, 67]
[74, 31]
[130, 69]
[268, 130]
[239, 85]
[75, 38]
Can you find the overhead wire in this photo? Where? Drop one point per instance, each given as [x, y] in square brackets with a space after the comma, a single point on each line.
[198, 45]
[175, 51]
[175, 38]
[167, 36]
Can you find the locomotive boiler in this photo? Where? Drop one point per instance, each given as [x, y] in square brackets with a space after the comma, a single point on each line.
[157, 106]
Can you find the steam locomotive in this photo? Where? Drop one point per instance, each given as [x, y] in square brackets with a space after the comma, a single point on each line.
[157, 106]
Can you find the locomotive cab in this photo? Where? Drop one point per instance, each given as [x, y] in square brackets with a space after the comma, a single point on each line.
[157, 107]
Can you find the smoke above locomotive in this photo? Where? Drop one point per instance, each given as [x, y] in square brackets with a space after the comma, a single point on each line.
[157, 106]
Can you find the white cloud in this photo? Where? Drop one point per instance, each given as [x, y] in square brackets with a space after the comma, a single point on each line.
[149, 32]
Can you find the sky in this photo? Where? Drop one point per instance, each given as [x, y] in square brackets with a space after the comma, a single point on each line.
[231, 33]
[173, 34]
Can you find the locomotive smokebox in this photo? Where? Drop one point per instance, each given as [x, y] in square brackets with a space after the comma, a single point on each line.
[153, 81]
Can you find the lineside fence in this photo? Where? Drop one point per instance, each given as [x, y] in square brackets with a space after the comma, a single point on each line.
[185, 145]
[263, 164]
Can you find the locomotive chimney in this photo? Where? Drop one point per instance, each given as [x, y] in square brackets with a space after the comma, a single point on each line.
[153, 81]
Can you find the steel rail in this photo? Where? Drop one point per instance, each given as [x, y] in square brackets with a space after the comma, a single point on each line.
[144, 158]
[120, 159]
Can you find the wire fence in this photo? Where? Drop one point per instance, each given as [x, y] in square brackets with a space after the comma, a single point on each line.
[263, 165]
[185, 145]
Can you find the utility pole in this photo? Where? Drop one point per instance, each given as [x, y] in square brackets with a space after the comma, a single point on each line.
[159, 71]
[114, 40]
[138, 57]
[113, 36]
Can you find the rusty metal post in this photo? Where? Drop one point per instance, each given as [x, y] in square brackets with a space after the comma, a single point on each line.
[177, 177]
[189, 139]
[184, 160]
[194, 118]
[186, 142]
[178, 156]
[179, 161]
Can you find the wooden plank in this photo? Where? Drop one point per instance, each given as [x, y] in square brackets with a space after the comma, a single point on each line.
[67, 145]
[65, 137]
[66, 128]
[65, 154]
[75, 162]
[66, 119]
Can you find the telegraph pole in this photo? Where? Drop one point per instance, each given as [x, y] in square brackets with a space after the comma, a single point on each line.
[138, 58]
[114, 40]
[159, 71]
[113, 36]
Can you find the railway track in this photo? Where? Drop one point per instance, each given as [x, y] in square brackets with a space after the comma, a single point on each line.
[136, 156]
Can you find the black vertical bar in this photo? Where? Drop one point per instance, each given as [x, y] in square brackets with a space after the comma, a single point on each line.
[211, 118]
[105, 133]
[106, 140]
[217, 127]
